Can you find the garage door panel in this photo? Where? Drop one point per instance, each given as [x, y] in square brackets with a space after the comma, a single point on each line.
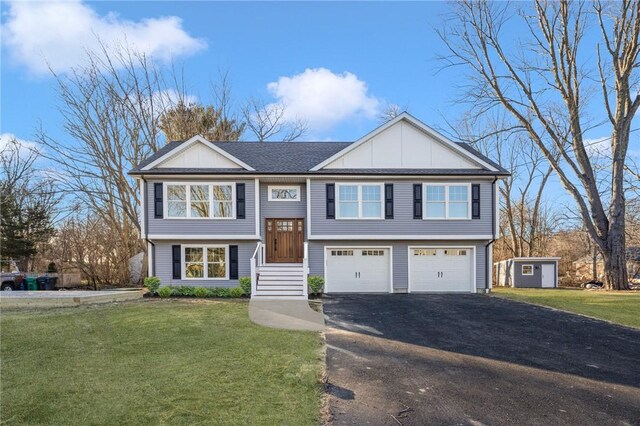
[358, 270]
[440, 269]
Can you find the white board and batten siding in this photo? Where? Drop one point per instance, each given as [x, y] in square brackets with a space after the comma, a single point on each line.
[198, 155]
[402, 146]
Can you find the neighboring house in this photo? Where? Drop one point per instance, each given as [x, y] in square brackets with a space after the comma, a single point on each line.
[584, 266]
[401, 210]
[528, 272]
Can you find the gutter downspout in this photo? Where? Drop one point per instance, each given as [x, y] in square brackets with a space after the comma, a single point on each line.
[145, 227]
[493, 234]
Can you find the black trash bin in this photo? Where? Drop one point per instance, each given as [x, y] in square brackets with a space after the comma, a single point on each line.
[51, 283]
[42, 282]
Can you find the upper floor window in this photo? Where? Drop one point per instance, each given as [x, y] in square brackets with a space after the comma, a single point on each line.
[450, 201]
[284, 193]
[360, 201]
[200, 200]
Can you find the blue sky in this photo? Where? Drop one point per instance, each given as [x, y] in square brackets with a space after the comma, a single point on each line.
[389, 47]
[338, 64]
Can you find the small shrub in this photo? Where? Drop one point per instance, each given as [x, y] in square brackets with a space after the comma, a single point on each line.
[152, 284]
[245, 285]
[316, 283]
[52, 268]
[184, 290]
[165, 292]
[236, 292]
[216, 292]
[201, 292]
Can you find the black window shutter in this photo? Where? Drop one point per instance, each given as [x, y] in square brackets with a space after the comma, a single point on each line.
[475, 201]
[240, 203]
[331, 201]
[157, 200]
[388, 201]
[177, 263]
[417, 201]
[233, 262]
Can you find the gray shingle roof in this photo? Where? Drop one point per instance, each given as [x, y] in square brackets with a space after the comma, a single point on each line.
[298, 158]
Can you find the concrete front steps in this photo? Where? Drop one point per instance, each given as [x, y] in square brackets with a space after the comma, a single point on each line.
[281, 281]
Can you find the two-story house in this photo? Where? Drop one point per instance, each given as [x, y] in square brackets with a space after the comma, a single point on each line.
[401, 210]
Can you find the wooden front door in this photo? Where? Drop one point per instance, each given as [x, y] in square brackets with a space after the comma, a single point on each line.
[285, 240]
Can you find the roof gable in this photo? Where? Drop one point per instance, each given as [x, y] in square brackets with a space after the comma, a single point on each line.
[404, 143]
[197, 152]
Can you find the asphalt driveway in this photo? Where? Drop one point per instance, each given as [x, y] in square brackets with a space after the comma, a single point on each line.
[476, 360]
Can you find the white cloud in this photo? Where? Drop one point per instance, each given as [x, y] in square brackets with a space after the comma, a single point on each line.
[598, 147]
[170, 98]
[24, 147]
[59, 33]
[324, 98]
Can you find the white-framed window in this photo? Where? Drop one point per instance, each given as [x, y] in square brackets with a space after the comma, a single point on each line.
[284, 192]
[199, 200]
[205, 262]
[527, 269]
[373, 252]
[359, 201]
[447, 201]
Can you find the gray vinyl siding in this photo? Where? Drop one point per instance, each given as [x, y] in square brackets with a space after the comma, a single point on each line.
[403, 222]
[400, 257]
[164, 263]
[177, 227]
[535, 280]
[282, 209]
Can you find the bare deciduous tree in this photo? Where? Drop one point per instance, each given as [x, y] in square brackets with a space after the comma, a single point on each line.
[111, 110]
[547, 90]
[268, 121]
[85, 243]
[390, 112]
[526, 223]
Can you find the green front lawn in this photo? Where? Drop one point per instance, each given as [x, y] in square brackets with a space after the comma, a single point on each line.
[622, 307]
[156, 362]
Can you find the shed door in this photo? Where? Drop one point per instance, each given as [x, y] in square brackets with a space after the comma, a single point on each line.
[358, 270]
[440, 269]
[548, 275]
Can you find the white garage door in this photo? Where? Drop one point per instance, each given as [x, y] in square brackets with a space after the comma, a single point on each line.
[440, 269]
[358, 270]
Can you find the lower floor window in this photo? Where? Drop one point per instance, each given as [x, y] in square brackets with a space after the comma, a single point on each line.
[205, 262]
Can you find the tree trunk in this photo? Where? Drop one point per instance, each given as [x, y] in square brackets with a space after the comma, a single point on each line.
[615, 264]
[594, 264]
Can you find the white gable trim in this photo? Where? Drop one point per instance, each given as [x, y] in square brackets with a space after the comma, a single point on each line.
[184, 145]
[420, 125]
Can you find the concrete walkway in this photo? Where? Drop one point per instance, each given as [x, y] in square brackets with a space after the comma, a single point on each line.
[60, 299]
[286, 314]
